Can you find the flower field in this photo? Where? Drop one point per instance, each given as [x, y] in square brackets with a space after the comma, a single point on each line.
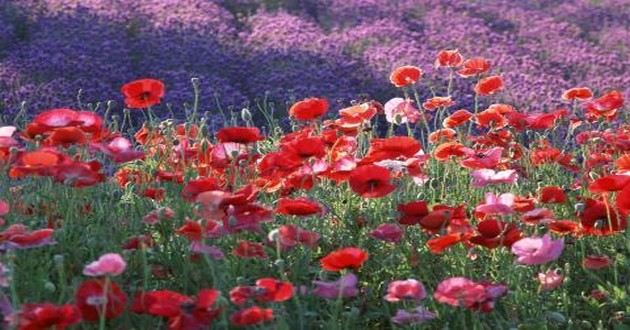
[314, 164]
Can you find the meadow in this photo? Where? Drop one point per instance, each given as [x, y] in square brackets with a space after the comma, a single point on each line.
[314, 165]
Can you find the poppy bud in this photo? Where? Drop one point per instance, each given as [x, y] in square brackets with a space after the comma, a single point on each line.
[246, 115]
[195, 82]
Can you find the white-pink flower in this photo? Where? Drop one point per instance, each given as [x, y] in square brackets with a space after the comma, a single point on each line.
[537, 250]
[494, 204]
[109, 264]
[484, 176]
[400, 111]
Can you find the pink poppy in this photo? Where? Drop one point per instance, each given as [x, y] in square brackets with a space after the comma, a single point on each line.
[405, 290]
[388, 232]
[550, 279]
[401, 111]
[484, 159]
[494, 204]
[344, 287]
[483, 177]
[459, 291]
[537, 250]
[596, 262]
[109, 264]
[7, 131]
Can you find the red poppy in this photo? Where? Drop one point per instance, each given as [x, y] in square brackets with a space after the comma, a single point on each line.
[244, 135]
[359, 113]
[609, 183]
[388, 232]
[405, 75]
[197, 186]
[606, 106]
[304, 148]
[457, 118]
[143, 93]
[309, 109]
[391, 148]
[495, 233]
[138, 242]
[247, 249]
[17, 236]
[92, 301]
[66, 136]
[564, 226]
[489, 85]
[191, 229]
[251, 316]
[474, 66]
[596, 262]
[299, 206]
[623, 163]
[491, 118]
[47, 316]
[552, 194]
[349, 257]
[290, 236]
[79, 174]
[449, 58]
[438, 102]
[272, 290]
[445, 151]
[411, 213]
[577, 94]
[182, 312]
[371, 181]
[599, 218]
[39, 162]
[439, 244]
[436, 219]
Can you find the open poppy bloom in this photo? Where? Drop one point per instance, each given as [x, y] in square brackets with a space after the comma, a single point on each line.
[537, 250]
[92, 299]
[400, 111]
[371, 181]
[474, 66]
[350, 257]
[344, 287]
[109, 264]
[405, 75]
[483, 177]
[463, 292]
[251, 316]
[143, 93]
[599, 218]
[449, 58]
[301, 206]
[552, 194]
[247, 249]
[457, 118]
[606, 106]
[265, 290]
[182, 312]
[405, 290]
[496, 205]
[577, 94]
[593, 262]
[438, 102]
[494, 233]
[47, 316]
[18, 237]
[244, 135]
[388, 232]
[489, 85]
[550, 279]
[309, 109]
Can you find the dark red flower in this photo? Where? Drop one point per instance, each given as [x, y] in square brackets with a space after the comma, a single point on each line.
[301, 206]
[251, 316]
[244, 135]
[309, 109]
[182, 312]
[143, 93]
[596, 262]
[350, 257]
[599, 218]
[47, 316]
[411, 213]
[552, 194]
[371, 181]
[495, 233]
[273, 290]
[92, 300]
[247, 249]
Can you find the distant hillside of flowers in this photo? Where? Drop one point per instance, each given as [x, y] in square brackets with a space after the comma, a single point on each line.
[291, 49]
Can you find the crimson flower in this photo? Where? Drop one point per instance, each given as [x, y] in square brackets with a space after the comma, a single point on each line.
[143, 93]
[251, 316]
[371, 181]
[93, 297]
[309, 109]
[47, 316]
[349, 257]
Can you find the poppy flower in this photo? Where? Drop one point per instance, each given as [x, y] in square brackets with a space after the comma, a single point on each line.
[391, 148]
[483, 177]
[387, 232]
[109, 264]
[247, 249]
[483, 159]
[405, 75]
[537, 250]
[17, 236]
[350, 257]
[400, 111]
[405, 290]
[449, 58]
[66, 136]
[463, 292]
[244, 135]
[418, 315]
[359, 113]
[474, 66]
[251, 316]
[623, 200]
[609, 183]
[47, 316]
[550, 279]
[494, 233]
[79, 174]
[143, 93]
[411, 213]
[289, 236]
[446, 150]
[301, 206]
[371, 181]
[438, 102]
[491, 118]
[439, 244]
[599, 218]
[92, 300]
[344, 287]
[119, 149]
[496, 205]
[265, 290]
[197, 186]
[552, 194]
[41, 162]
[593, 262]
[489, 85]
[309, 109]
[606, 106]
[182, 312]
[577, 94]
[564, 226]
[457, 118]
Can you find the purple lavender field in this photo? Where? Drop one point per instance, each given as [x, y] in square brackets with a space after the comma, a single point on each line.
[244, 50]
